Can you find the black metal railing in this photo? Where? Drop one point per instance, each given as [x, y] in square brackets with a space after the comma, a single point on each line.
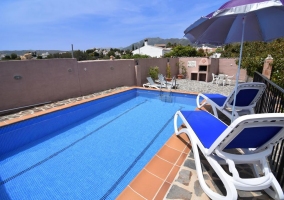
[272, 101]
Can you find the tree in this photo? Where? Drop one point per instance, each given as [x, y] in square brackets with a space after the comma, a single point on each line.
[181, 51]
[169, 45]
[96, 54]
[135, 56]
[254, 54]
[80, 55]
[200, 53]
[88, 51]
[111, 53]
[7, 57]
[219, 50]
[14, 56]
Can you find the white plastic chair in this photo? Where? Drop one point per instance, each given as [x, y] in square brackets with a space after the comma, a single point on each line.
[229, 79]
[247, 96]
[214, 78]
[255, 135]
[221, 79]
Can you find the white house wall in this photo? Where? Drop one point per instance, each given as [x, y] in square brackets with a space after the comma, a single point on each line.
[151, 51]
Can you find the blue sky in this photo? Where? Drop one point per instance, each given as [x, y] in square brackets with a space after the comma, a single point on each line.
[56, 24]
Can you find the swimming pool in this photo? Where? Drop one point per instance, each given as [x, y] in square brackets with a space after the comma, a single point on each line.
[89, 151]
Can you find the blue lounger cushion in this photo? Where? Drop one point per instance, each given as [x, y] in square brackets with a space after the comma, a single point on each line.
[244, 97]
[247, 95]
[210, 129]
[219, 99]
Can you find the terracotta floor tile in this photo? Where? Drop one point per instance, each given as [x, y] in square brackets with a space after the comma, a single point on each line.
[181, 159]
[159, 167]
[146, 184]
[169, 154]
[128, 193]
[163, 191]
[172, 174]
[176, 143]
[187, 149]
[3, 123]
[184, 137]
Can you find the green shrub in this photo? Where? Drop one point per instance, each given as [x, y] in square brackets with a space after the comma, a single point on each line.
[168, 75]
[153, 72]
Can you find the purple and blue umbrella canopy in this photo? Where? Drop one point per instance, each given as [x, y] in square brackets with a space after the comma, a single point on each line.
[264, 22]
[239, 21]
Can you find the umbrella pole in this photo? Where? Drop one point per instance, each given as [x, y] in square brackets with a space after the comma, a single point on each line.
[238, 71]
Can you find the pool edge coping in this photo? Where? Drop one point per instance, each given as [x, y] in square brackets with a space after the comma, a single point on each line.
[54, 109]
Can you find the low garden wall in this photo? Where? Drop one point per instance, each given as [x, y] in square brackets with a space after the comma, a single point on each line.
[31, 82]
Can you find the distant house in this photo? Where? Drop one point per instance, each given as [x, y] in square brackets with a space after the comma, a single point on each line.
[216, 55]
[207, 49]
[117, 54]
[160, 45]
[152, 51]
[44, 55]
[26, 56]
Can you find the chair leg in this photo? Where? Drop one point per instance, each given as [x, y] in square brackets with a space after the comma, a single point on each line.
[277, 192]
[215, 112]
[230, 188]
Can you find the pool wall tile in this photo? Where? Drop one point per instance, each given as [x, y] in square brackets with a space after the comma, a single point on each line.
[18, 134]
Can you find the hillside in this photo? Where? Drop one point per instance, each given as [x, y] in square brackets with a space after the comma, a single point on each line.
[151, 41]
[157, 40]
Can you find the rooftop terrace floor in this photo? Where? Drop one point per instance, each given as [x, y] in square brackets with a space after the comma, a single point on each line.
[171, 172]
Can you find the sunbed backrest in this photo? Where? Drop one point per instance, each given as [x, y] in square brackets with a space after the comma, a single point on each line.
[150, 80]
[245, 97]
[247, 94]
[253, 137]
[247, 132]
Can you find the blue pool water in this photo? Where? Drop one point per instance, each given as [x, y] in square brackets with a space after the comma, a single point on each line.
[90, 151]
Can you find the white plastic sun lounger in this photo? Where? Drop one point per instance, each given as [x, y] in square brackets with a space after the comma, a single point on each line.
[152, 84]
[255, 135]
[247, 96]
[163, 80]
